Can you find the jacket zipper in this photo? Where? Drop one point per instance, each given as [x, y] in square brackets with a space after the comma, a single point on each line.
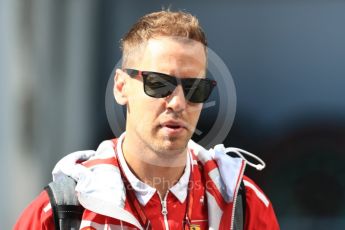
[235, 198]
[165, 209]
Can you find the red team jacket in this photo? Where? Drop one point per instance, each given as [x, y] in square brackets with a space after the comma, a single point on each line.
[207, 204]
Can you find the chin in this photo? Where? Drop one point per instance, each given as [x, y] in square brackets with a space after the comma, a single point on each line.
[169, 144]
[174, 145]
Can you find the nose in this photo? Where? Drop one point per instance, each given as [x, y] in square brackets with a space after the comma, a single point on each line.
[177, 101]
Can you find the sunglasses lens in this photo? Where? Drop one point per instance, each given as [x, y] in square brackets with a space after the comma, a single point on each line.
[197, 90]
[159, 85]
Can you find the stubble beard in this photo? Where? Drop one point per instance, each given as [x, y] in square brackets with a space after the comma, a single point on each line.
[163, 146]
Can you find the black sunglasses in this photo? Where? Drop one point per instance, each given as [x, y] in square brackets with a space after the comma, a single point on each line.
[159, 85]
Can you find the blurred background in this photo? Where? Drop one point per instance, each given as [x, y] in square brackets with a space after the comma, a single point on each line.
[287, 59]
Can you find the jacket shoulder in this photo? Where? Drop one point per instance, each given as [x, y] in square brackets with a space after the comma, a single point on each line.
[259, 210]
[37, 215]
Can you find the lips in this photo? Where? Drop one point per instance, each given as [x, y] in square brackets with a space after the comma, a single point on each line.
[173, 125]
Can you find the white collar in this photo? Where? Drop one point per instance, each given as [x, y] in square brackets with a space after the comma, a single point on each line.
[143, 191]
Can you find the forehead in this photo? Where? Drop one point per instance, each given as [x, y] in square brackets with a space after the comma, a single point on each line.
[172, 55]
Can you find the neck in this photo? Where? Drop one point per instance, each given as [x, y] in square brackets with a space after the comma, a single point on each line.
[159, 172]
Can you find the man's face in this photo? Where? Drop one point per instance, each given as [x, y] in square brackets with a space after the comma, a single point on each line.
[165, 125]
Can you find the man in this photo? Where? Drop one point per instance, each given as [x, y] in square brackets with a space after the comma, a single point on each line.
[154, 176]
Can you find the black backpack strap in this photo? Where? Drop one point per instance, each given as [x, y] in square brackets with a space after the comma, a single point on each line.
[240, 208]
[67, 211]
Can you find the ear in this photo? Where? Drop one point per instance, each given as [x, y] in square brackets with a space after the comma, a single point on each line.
[120, 87]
